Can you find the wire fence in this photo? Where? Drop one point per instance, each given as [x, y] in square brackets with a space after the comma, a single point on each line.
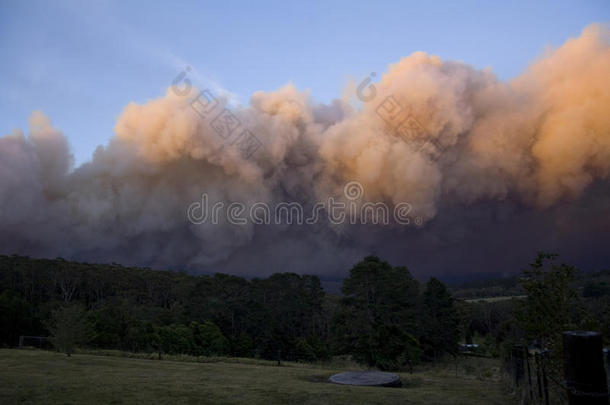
[39, 342]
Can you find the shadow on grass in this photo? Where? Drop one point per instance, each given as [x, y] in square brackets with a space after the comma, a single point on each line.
[407, 382]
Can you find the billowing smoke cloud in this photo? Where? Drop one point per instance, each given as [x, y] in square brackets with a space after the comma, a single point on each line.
[470, 142]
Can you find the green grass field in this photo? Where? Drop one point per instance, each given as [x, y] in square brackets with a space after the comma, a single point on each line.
[496, 299]
[32, 376]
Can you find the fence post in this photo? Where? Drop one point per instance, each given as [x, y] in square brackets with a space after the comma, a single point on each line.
[607, 360]
[584, 371]
[518, 369]
[544, 357]
[529, 374]
[538, 372]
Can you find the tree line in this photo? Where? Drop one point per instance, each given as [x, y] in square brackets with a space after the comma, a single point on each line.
[385, 318]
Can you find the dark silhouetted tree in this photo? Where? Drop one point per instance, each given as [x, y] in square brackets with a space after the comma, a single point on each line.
[440, 323]
[547, 309]
[378, 315]
[69, 328]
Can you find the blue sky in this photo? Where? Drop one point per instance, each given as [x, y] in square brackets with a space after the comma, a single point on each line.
[81, 62]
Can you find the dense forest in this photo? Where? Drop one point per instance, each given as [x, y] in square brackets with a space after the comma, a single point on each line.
[385, 318]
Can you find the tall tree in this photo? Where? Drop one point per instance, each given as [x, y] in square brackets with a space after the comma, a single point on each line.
[69, 328]
[378, 315]
[550, 296]
[439, 330]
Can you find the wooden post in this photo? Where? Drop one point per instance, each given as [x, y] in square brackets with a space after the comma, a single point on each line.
[541, 379]
[518, 369]
[538, 372]
[607, 359]
[585, 376]
[545, 380]
[529, 375]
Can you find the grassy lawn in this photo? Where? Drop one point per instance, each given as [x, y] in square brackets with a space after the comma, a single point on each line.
[497, 299]
[32, 376]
